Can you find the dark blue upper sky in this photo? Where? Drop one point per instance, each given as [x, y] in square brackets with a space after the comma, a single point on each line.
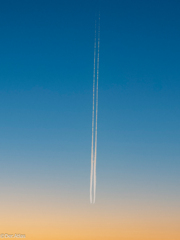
[49, 43]
[46, 69]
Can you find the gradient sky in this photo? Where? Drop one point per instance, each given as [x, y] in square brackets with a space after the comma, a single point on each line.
[46, 70]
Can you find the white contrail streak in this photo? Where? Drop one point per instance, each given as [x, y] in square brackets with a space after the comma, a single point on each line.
[95, 150]
[94, 131]
[92, 143]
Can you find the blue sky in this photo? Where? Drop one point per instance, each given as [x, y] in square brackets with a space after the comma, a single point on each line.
[46, 50]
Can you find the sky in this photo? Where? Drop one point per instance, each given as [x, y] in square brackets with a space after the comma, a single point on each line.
[46, 80]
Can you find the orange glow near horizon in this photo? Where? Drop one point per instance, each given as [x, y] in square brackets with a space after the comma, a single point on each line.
[74, 222]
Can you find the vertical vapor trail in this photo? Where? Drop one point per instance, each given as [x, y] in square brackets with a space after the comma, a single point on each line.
[95, 151]
[92, 143]
[94, 115]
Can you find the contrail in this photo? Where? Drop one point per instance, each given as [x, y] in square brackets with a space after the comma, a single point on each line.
[94, 145]
[95, 154]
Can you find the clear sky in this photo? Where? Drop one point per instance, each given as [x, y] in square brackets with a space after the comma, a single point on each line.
[46, 73]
